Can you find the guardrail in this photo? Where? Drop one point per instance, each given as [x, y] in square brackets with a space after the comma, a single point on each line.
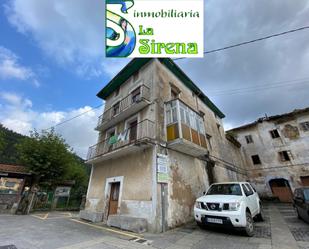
[140, 94]
[142, 130]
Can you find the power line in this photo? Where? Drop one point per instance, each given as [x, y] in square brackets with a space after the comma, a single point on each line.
[251, 41]
[77, 116]
[256, 88]
[206, 52]
[261, 85]
[217, 93]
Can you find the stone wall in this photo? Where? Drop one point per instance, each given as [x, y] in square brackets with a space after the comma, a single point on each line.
[292, 138]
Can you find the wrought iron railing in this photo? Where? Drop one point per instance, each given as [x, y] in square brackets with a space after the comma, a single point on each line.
[136, 133]
[128, 101]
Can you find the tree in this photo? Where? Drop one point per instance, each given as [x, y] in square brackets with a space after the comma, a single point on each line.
[46, 155]
[50, 160]
[2, 141]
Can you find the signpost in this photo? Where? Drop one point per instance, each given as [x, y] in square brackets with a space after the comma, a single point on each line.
[162, 168]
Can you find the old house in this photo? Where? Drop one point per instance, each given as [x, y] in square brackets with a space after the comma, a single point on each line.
[12, 181]
[161, 143]
[275, 150]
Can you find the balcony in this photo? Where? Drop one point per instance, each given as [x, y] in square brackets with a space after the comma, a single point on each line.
[132, 103]
[185, 129]
[135, 138]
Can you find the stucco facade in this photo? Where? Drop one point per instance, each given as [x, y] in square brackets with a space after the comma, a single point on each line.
[131, 136]
[280, 145]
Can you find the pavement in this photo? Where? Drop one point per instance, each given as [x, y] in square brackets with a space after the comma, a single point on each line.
[63, 230]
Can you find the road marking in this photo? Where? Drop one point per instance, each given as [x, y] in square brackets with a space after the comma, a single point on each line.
[131, 235]
[46, 216]
[38, 217]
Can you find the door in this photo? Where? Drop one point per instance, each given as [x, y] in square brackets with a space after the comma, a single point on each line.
[250, 198]
[133, 131]
[114, 198]
[281, 189]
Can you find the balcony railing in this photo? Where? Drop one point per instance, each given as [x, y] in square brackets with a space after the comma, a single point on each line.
[135, 99]
[142, 131]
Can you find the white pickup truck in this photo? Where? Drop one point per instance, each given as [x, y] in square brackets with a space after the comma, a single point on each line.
[229, 204]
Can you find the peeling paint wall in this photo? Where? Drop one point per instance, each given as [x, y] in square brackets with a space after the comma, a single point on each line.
[188, 181]
[224, 153]
[188, 175]
[292, 138]
[136, 170]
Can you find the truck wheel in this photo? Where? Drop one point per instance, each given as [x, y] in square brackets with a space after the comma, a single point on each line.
[249, 229]
[200, 224]
[260, 216]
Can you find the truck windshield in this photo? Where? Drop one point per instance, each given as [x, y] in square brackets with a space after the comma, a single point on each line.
[225, 189]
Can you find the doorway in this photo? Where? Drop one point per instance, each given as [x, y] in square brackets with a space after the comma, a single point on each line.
[133, 130]
[281, 189]
[114, 198]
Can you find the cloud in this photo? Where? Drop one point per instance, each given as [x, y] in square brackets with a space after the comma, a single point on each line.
[17, 113]
[11, 69]
[283, 58]
[70, 32]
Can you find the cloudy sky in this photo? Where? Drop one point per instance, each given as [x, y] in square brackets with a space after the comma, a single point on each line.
[52, 62]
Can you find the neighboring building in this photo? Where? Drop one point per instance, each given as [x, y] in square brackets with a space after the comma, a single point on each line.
[276, 152]
[161, 143]
[12, 182]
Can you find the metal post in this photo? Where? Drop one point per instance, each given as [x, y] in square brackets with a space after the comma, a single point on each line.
[163, 206]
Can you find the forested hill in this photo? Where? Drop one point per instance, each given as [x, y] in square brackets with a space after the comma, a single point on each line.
[8, 140]
[8, 152]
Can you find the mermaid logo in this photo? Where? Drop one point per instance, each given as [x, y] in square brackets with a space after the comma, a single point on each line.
[120, 35]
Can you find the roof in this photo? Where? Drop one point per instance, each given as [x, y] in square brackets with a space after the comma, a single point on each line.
[233, 140]
[275, 118]
[6, 168]
[218, 183]
[135, 64]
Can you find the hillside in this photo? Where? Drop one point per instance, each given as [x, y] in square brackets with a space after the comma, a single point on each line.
[8, 140]
[8, 153]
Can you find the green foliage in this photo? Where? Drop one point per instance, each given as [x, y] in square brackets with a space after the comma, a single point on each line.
[2, 143]
[51, 160]
[8, 140]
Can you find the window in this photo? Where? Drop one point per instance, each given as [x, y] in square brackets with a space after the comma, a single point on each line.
[247, 190]
[305, 126]
[209, 141]
[249, 139]
[174, 94]
[201, 126]
[218, 127]
[136, 95]
[135, 76]
[274, 133]
[174, 91]
[285, 156]
[256, 159]
[224, 189]
[116, 109]
[10, 184]
[171, 113]
[117, 91]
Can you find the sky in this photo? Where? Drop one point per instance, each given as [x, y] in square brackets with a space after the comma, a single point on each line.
[52, 63]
